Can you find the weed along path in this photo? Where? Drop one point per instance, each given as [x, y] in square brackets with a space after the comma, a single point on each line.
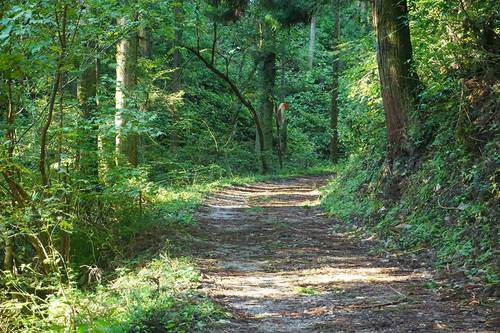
[273, 259]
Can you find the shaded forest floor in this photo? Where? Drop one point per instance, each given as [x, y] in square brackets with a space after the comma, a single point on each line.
[271, 257]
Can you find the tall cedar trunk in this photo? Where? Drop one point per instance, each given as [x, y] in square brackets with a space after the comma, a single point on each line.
[283, 73]
[283, 135]
[9, 263]
[177, 56]
[334, 112]
[266, 103]
[364, 16]
[398, 81]
[126, 63]
[176, 64]
[87, 91]
[312, 43]
[145, 50]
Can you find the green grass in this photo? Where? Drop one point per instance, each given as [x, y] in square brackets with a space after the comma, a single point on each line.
[161, 295]
[309, 290]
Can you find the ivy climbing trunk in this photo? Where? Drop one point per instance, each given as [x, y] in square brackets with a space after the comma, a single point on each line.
[397, 78]
[126, 64]
[334, 112]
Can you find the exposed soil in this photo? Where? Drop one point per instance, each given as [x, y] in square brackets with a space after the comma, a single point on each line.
[279, 264]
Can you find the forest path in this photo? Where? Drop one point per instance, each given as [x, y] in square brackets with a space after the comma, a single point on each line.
[279, 264]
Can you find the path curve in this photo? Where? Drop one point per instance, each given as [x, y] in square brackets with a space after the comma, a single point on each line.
[279, 264]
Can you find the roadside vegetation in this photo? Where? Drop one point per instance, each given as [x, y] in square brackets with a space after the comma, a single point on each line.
[117, 118]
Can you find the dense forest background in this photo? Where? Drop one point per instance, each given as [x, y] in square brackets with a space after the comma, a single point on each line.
[116, 117]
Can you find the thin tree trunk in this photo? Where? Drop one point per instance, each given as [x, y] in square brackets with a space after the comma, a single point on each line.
[397, 78]
[266, 103]
[312, 43]
[126, 63]
[9, 259]
[60, 149]
[281, 127]
[266, 106]
[334, 113]
[87, 94]
[42, 164]
[176, 64]
[243, 100]
[19, 196]
[364, 17]
[145, 50]
[177, 56]
[145, 42]
[65, 238]
[9, 263]
[283, 73]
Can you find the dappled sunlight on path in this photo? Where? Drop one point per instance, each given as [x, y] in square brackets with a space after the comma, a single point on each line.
[279, 264]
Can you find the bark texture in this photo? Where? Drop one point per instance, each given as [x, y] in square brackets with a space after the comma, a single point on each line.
[126, 64]
[267, 86]
[87, 94]
[176, 64]
[397, 78]
[334, 112]
[312, 43]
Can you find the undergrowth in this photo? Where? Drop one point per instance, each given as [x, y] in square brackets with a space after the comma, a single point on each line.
[447, 206]
[143, 279]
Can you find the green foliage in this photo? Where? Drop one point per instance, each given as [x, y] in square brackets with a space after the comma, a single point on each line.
[194, 135]
[448, 195]
[438, 210]
[160, 296]
[309, 290]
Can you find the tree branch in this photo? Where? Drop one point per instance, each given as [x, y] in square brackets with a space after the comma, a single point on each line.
[240, 96]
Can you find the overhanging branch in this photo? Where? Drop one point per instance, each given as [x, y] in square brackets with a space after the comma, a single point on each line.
[239, 95]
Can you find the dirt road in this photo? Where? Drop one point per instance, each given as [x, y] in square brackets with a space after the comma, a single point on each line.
[279, 264]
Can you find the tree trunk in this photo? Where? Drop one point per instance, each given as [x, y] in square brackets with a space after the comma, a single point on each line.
[177, 56]
[87, 91]
[266, 105]
[283, 130]
[126, 63]
[364, 16]
[312, 43]
[283, 72]
[243, 101]
[397, 78]
[42, 162]
[176, 64]
[44, 140]
[334, 112]
[145, 42]
[145, 50]
[9, 263]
